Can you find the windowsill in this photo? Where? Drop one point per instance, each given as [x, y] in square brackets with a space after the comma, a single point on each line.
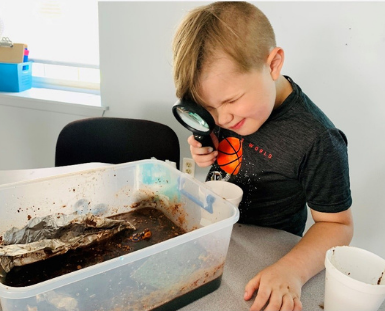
[56, 101]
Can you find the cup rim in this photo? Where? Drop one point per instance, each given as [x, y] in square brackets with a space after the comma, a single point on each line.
[378, 289]
[235, 187]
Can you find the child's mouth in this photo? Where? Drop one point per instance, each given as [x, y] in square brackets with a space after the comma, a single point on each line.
[238, 125]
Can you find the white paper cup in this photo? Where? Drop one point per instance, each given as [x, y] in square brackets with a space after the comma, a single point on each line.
[227, 190]
[354, 280]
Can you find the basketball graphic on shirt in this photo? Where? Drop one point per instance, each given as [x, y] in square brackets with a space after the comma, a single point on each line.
[230, 155]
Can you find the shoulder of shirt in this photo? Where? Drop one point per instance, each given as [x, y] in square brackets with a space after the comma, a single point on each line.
[304, 110]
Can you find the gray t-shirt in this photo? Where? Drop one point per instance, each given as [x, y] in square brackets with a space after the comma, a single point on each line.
[297, 157]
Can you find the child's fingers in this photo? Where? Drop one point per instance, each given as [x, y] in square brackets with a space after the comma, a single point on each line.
[297, 304]
[205, 159]
[203, 156]
[251, 287]
[202, 151]
[193, 142]
[197, 149]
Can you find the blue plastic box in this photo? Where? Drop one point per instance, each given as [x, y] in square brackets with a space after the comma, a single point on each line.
[15, 77]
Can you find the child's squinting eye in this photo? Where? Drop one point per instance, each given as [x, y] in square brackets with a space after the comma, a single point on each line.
[234, 100]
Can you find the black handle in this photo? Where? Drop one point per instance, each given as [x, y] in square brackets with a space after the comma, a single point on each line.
[205, 140]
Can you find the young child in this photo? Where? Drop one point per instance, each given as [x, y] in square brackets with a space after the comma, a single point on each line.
[271, 139]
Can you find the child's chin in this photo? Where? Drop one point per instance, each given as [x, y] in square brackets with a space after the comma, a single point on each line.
[246, 132]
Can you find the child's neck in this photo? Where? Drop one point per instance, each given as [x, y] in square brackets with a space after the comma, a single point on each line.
[284, 89]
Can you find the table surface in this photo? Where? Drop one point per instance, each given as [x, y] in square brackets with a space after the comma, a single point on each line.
[251, 249]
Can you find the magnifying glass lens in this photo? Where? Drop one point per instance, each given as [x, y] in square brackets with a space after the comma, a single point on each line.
[193, 119]
[196, 119]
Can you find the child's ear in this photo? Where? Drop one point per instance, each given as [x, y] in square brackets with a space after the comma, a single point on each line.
[275, 62]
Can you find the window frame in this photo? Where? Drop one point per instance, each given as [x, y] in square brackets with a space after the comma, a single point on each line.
[63, 84]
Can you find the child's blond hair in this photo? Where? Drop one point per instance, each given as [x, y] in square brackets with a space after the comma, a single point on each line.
[238, 29]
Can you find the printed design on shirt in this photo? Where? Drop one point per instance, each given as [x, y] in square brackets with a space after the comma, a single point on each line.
[230, 154]
[260, 150]
[215, 175]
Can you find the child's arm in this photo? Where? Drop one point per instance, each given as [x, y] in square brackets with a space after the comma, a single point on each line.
[279, 285]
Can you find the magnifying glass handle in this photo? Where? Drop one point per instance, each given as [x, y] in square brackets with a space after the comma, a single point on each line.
[205, 140]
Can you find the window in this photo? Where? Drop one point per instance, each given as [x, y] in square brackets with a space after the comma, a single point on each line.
[62, 38]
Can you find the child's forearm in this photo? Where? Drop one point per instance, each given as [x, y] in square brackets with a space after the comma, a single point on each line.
[308, 256]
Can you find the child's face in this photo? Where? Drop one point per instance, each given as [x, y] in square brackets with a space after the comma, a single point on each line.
[240, 102]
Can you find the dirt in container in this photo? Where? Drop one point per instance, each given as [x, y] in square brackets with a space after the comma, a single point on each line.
[152, 227]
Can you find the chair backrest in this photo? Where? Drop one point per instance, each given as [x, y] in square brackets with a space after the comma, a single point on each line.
[115, 140]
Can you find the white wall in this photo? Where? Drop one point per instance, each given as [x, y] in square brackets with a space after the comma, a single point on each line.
[28, 136]
[30, 126]
[136, 61]
[334, 51]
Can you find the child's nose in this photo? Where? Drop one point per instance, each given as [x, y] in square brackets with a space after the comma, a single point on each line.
[224, 117]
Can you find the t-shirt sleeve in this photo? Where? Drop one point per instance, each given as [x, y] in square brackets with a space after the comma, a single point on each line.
[324, 173]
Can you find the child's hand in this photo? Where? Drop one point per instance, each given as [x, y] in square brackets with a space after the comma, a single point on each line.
[203, 156]
[277, 287]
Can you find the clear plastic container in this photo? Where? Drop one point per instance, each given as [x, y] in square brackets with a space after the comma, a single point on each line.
[163, 276]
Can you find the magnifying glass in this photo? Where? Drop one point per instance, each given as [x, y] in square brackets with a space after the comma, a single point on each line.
[196, 119]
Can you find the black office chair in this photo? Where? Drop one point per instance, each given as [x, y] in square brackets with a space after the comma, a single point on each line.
[114, 141]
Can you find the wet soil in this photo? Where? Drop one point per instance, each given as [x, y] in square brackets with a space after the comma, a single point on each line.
[152, 227]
